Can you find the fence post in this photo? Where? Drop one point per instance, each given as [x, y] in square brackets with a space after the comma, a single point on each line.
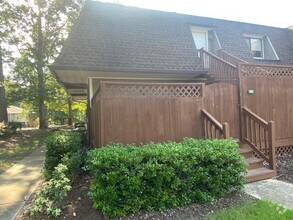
[226, 130]
[272, 152]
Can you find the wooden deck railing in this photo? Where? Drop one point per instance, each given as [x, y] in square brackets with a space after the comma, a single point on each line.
[260, 136]
[212, 128]
[229, 57]
[218, 69]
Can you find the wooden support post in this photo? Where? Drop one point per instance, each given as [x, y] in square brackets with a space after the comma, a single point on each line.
[226, 130]
[240, 104]
[272, 151]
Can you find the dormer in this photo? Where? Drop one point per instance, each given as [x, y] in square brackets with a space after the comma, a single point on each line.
[205, 38]
[261, 47]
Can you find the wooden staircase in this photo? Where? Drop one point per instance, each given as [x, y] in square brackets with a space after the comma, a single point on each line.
[258, 138]
[255, 166]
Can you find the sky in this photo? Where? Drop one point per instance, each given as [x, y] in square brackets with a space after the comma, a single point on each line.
[265, 12]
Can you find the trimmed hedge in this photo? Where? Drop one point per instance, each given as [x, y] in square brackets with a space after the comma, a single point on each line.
[62, 146]
[158, 176]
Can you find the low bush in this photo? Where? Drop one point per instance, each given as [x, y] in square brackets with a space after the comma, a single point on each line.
[64, 158]
[158, 176]
[47, 199]
[9, 128]
[60, 144]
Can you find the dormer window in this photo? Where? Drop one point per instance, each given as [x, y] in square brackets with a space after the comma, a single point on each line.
[205, 38]
[200, 37]
[256, 47]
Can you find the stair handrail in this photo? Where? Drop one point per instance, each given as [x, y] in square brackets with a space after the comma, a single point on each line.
[212, 128]
[217, 68]
[260, 136]
[216, 57]
[229, 57]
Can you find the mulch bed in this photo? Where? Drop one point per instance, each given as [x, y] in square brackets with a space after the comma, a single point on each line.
[77, 205]
[285, 168]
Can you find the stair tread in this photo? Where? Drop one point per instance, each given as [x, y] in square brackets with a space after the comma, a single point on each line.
[260, 171]
[245, 150]
[250, 160]
[244, 146]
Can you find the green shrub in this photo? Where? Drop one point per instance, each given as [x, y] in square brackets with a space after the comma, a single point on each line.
[157, 176]
[58, 145]
[6, 129]
[47, 199]
[74, 161]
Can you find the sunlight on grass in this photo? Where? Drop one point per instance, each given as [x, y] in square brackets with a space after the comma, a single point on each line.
[9, 156]
[260, 209]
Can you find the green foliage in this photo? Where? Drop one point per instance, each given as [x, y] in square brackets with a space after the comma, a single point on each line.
[260, 209]
[59, 144]
[33, 33]
[74, 161]
[64, 159]
[157, 176]
[9, 128]
[47, 199]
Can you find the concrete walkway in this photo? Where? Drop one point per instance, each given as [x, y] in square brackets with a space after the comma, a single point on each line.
[274, 190]
[19, 182]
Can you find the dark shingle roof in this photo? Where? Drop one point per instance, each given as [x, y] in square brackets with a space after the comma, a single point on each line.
[115, 37]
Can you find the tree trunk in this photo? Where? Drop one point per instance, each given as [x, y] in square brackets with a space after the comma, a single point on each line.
[3, 105]
[69, 111]
[40, 65]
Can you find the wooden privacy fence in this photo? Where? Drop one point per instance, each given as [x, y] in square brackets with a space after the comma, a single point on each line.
[136, 112]
[260, 136]
[132, 112]
[267, 91]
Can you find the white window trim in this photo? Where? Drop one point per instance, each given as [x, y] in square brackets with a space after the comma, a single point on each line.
[217, 39]
[262, 45]
[201, 30]
[277, 57]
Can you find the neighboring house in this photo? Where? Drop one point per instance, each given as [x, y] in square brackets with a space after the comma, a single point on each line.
[156, 76]
[15, 114]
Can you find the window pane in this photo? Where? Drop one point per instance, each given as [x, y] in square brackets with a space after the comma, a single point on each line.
[256, 44]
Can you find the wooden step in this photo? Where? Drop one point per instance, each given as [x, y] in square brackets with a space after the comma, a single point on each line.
[246, 152]
[259, 174]
[253, 163]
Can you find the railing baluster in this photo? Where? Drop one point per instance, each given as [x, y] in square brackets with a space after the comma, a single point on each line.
[250, 121]
[266, 142]
[253, 136]
[212, 128]
[260, 139]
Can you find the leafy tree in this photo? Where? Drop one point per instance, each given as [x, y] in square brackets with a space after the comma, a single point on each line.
[3, 106]
[37, 30]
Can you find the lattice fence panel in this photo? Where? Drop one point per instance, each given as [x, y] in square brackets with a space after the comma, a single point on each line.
[266, 71]
[190, 91]
[280, 150]
[284, 150]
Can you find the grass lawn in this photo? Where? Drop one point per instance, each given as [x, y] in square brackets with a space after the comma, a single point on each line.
[10, 155]
[260, 209]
